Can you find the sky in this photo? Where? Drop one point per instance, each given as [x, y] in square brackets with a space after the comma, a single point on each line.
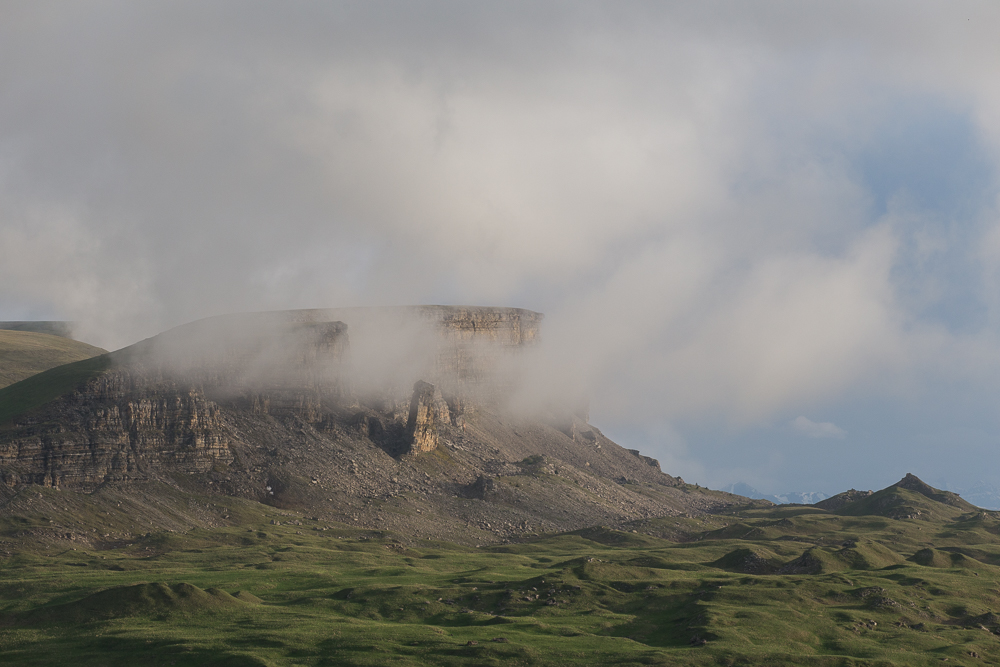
[765, 235]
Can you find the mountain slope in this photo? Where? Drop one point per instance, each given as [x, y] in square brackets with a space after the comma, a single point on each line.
[25, 353]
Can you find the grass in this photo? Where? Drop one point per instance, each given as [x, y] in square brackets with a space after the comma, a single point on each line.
[884, 592]
[25, 353]
[41, 388]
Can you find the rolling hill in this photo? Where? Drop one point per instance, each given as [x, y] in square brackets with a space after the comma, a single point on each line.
[742, 585]
[25, 353]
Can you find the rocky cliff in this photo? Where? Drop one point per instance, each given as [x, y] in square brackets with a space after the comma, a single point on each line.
[305, 408]
[157, 405]
[117, 427]
[428, 413]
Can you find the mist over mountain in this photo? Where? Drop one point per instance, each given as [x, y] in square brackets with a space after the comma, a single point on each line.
[765, 237]
[422, 420]
[355, 333]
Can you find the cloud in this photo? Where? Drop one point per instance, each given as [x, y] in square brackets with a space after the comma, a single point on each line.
[811, 429]
[723, 209]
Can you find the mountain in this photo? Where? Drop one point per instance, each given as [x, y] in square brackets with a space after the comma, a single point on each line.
[908, 498]
[407, 419]
[24, 353]
[794, 497]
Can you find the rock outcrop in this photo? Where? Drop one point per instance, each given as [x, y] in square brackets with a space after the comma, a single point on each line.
[113, 430]
[428, 412]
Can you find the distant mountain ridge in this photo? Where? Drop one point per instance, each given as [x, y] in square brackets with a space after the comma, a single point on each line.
[980, 494]
[791, 498]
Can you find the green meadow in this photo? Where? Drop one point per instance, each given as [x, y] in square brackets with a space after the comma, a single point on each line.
[792, 585]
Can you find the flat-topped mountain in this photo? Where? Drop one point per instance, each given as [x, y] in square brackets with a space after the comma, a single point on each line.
[397, 418]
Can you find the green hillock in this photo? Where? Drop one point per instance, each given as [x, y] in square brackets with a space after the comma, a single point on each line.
[816, 560]
[868, 555]
[609, 537]
[851, 555]
[139, 600]
[910, 498]
[749, 560]
[929, 557]
[836, 502]
[959, 559]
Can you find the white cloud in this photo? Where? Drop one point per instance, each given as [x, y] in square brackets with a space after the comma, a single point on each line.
[811, 429]
[674, 184]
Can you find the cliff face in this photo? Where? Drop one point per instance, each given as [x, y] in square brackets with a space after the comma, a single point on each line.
[428, 413]
[116, 427]
[479, 356]
[159, 407]
[508, 327]
[469, 352]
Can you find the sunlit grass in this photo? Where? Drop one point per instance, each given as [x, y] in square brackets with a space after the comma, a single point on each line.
[346, 597]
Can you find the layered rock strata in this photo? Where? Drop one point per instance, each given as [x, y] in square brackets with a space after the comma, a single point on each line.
[116, 428]
[428, 412]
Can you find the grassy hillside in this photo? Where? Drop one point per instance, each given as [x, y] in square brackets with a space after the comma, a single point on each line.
[25, 353]
[785, 586]
[39, 389]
